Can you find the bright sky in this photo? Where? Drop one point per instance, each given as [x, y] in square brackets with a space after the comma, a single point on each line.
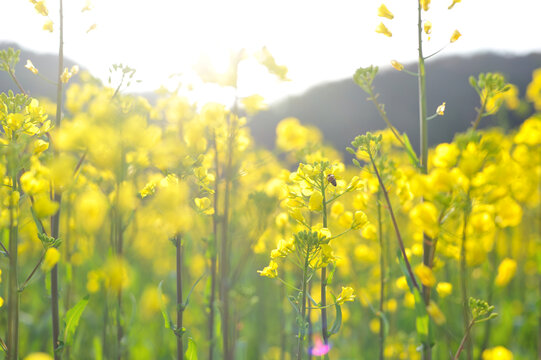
[317, 40]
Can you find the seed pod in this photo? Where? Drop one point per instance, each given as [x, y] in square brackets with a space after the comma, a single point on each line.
[331, 179]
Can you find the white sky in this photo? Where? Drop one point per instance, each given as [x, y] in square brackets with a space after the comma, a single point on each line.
[318, 40]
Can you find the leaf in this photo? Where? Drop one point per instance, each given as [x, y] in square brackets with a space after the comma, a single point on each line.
[71, 319]
[167, 320]
[191, 351]
[422, 321]
[411, 153]
[383, 317]
[338, 320]
[190, 292]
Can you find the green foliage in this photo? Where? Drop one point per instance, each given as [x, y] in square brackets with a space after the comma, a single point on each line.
[364, 77]
[191, 351]
[8, 59]
[71, 320]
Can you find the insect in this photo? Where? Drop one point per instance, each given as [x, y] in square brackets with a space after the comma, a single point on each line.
[331, 179]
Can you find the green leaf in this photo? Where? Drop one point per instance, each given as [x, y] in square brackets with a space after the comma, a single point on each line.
[422, 322]
[330, 276]
[191, 352]
[167, 320]
[385, 321]
[411, 153]
[338, 320]
[190, 292]
[71, 319]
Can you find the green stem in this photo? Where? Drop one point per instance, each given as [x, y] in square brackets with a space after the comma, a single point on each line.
[14, 78]
[224, 256]
[395, 224]
[213, 246]
[464, 339]
[493, 258]
[324, 270]
[464, 290]
[302, 327]
[13, 293]
[427, 243]
[25, 284]
[55, 220]
[180, 305]
[480, 113]
[381, 278]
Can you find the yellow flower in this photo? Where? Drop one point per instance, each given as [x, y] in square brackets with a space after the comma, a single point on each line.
[374, 325]
[92, 27]
[337, 209]
[427, 27]
[297, 215]
[398, 66]
[204, 205]
[384, 12]
[497, 353]
[116, 274]
[382, 29]
[253, 104]
[444, 289]
[453, 4]
[41, 8]
[360, 220]
[441, 109]
[51, 258]
[38, 356]
[48, 26]
[533, 91]
[446, 155]
[425, 215]
[425, 275]
[90, 210]
[435, 313]
[425, 4]
[87, 7]
[506, 271]
[40, 146]
[508, 212]
[1, 302]
[316, 201]
[455, 36]
[66, 76]
[369, 232]
[347, 294]
[44, 206]
[265, 58]
[269, 271]
[31, 67]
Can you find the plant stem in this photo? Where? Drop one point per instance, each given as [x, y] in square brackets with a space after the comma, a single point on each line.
[427, 243]
[382, 279]
[477, 120]
[395, 224]
[13, 293]
[324, 271]
[464, 288]
[283, 335]
[55, 220]
[213, 246]
[224, 260]
[302, 327]
[464, 339]
[180, 305]
[493, 258]
[14, 78]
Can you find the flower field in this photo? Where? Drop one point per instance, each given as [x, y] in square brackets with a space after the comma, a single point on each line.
[133, 229]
